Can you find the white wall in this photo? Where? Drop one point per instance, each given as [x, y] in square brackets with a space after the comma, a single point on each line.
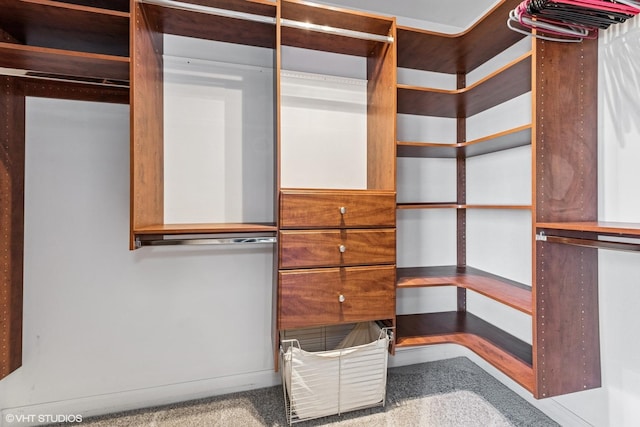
[617, 403]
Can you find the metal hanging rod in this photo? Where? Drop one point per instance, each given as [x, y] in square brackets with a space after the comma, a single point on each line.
[268, 20]
[589, 243]
[36, 75]
[207, 241]
[173, 4]
[337, 31]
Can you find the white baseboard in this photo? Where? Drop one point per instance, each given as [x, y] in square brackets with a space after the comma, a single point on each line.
[135, 399]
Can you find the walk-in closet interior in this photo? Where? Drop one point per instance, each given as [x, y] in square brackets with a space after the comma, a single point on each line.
[298, 169]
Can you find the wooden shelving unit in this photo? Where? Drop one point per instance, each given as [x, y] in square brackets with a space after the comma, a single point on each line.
[337, 246]
[202, 21]
[75, 50]
[93, 49]
[561, 297]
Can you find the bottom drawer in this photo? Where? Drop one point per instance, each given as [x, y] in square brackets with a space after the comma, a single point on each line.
[335, 295]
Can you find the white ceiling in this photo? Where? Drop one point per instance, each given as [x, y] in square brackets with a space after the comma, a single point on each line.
[459, 14]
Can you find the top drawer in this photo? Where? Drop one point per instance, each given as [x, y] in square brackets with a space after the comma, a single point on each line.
[337, 209]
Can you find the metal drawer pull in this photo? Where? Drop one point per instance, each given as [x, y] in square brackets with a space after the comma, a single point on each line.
[342, 249]
[343, 210]
[341, 298]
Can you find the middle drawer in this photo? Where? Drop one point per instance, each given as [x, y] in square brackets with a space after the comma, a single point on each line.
[327, 248]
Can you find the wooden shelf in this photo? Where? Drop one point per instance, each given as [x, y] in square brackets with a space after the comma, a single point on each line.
[220, 28]
[513, 294]
[508, 82]
[335, 18]
[512, 138]
[436, 205]
[66, 26]
[63, 62]
[630, 229]
[121, 5]
[212, 228]
[462, 52]
[504, 351]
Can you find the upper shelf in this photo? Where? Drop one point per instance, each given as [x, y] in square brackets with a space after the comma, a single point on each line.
[67, 26]
[81, 40]
[508, 82]
[508, 139]
[334, 20]
[458, 53]
[252, 24]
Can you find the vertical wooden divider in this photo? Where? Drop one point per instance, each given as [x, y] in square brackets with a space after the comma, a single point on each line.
[381, 105]
[12, 164]
[147, 124]
[566, 334]
[461, 196]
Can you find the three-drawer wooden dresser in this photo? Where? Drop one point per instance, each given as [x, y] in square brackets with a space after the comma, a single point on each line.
[337, 254]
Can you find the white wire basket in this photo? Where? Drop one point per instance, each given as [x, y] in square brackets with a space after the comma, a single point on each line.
[351, 376]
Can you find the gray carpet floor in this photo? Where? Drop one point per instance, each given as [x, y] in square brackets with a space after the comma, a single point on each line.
[446, 393]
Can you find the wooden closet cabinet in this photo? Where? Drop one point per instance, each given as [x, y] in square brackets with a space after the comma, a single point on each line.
[562, 299]
[337, 246]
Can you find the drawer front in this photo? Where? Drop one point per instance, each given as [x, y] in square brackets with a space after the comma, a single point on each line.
[318, 297]
[327, 248]
[337, 209]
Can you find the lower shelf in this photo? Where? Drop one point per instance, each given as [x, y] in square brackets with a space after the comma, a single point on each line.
[507, 353]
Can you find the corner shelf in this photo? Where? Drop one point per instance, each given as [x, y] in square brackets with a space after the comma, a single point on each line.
[458, 53]
[509, 354]
[508, 82]
[512, 138]
[508, 292]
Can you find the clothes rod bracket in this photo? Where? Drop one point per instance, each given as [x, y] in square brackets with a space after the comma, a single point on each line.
[589, 243]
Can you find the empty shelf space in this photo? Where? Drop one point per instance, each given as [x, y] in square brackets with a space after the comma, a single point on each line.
[206, 228]
[508, 292]
[458, 53]
[63, 63]
[510, 81]
[66, 26]
[509, 354]
[500, 141]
